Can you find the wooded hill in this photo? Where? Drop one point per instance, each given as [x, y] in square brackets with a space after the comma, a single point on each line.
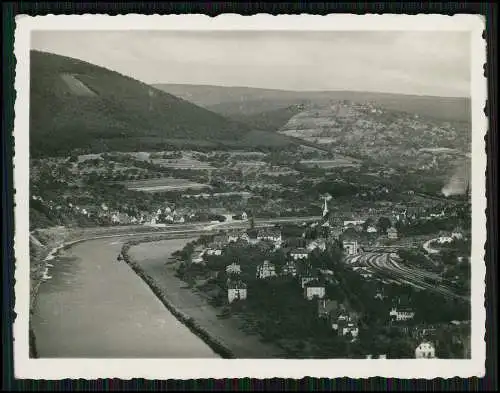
[77, 105]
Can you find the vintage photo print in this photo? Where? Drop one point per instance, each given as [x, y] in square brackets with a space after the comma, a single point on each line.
[249, 196]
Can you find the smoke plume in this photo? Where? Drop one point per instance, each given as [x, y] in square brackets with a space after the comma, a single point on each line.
[459, 182]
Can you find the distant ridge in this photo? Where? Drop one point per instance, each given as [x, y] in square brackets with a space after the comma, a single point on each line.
[78, 105]
[247, 101]
[182, 86]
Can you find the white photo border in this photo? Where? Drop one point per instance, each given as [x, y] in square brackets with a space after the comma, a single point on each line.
[54, 369]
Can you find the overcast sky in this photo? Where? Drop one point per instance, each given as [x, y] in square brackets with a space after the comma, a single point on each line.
[423, 63]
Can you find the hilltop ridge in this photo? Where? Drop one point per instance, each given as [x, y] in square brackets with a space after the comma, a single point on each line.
[248, 101]
[78, 105]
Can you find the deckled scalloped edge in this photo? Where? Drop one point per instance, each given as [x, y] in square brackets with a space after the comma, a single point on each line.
[20, 247]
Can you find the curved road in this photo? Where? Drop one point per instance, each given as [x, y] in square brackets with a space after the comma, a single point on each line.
[96, 307]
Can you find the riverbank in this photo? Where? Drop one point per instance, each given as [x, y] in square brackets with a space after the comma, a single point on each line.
[43, 245]
[96, 307]
[223, 335]
[46, 244]
[185, 319]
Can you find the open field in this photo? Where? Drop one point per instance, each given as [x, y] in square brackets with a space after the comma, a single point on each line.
[336, 163]
[321, 140]
[441, 150]
[163, 184]
[244, 153]
[243, 194]
[182, 163]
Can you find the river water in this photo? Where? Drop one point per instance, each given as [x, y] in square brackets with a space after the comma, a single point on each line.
[96, 307]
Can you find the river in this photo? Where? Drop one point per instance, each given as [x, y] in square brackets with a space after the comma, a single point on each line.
[96, 307]
[151, 257]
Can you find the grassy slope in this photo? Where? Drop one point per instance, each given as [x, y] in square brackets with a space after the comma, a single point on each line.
[122, 115]
[237, 101]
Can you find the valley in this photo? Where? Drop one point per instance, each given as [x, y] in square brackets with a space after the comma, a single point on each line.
[315, 184]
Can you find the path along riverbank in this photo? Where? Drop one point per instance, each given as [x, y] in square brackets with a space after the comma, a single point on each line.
[148, 259]
[223, 337]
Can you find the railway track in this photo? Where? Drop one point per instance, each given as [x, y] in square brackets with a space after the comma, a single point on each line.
[389, 266]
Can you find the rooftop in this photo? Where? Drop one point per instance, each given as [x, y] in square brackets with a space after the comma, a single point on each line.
[300, 250]
[316, 283]
[236, 285]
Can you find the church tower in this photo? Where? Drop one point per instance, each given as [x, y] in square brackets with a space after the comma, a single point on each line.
[325, 209]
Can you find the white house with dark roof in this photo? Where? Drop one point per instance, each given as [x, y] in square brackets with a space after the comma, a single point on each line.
[236, 290]
[345, 322]
[425, 350]
[392, 233]
[352, 223]
[401, 314]
[351, 247]
[269, 234]
[314, 289]
[304, 280]
[233, 236]
[266, 270]
[213, 249]
[365, 272]
[401, 310]
[244, 237]
[299, 253]
[289, 269]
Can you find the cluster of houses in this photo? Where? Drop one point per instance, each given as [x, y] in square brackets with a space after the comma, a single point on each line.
[456, 234]
[269, 236]
[401, 311]
[313, 285]
[335, 226]
[342, 319]
[159, 217]
[168, 215]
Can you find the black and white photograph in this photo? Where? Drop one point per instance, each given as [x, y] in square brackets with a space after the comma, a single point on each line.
[302, 195]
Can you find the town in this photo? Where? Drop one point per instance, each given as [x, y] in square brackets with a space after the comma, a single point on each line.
[326, 254]
[343, 288]
[342, 258]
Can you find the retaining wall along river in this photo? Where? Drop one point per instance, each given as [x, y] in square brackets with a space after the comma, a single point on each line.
[96, 307]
